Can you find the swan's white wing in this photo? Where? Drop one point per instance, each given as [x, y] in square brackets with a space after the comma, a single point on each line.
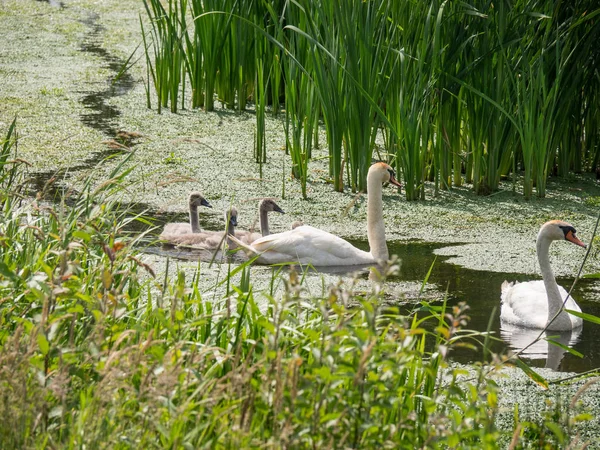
[526, 305]
[571, 303]
[309, 245]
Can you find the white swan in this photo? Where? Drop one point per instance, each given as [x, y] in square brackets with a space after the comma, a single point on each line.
[171, 229]
[308, 245]
[535, 303]
[264, 207]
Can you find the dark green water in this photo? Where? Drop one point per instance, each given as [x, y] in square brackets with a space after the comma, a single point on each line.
[481, 291]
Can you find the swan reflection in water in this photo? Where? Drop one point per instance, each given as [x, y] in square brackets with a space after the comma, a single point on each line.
[518, 338]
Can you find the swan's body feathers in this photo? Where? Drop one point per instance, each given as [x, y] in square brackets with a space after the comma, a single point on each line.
[526, 305]
[206, 240]
[171, 231]
[247, 237]
[307, 245]
[541, 304]
[174, 229]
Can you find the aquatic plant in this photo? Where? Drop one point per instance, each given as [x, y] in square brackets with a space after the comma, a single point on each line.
[167, 70]
[96, 352]
[488, 90]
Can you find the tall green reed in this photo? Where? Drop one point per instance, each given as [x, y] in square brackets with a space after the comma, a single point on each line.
[167, 29]
[368, 55]
[410, 102]
[9, 162]
[323, 52]
[487, 128]
[452, 86]
[211, 30]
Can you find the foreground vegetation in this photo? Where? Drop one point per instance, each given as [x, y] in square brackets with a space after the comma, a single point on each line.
[95, 352]
[485, 89]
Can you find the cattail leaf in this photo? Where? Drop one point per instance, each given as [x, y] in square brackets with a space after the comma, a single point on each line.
[540, 380]
[584, 316]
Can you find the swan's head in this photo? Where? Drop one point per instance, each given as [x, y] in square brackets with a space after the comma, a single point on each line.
[557, 230]
[196, 200]
[384, 172]
[231, 217]
[269, 205]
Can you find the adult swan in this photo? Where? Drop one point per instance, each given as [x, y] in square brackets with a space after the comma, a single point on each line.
[535, 303]
[309, 245]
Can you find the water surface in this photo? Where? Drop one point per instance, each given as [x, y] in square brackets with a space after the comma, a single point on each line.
[481, 291]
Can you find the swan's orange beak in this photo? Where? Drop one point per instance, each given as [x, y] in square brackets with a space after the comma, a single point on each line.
[395, 182]
[574, 239]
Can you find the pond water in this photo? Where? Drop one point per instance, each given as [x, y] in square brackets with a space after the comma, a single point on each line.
[481, 291]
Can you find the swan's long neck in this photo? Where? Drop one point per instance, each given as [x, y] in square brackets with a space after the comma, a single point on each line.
[230, 231]
[263, 219]
[375, 225]
[194, 219]
[554, 299]
[230, 228]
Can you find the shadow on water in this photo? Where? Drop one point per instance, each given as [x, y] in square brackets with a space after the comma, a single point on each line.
[99, 114]
[55, 3]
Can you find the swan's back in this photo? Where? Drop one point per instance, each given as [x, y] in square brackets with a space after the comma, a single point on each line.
[247, 237]
[309, 245]
[175, 228]
[526, 305]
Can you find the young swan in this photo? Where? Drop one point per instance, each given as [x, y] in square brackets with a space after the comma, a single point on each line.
[172, 229]
[209, 240]
[534, 303]
[265, 206]
[308, 245]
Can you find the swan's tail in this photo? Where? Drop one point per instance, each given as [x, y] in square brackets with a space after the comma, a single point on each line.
[505, 288]
[248, 250]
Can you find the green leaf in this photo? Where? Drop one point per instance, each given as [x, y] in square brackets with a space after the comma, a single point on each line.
[426, 279]
[43, 344]
[565, 347]
[80, 234]
[555, 429]
[584, 316]
[532, 374]
[76, 309]
[592, 275]
[6, 272]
